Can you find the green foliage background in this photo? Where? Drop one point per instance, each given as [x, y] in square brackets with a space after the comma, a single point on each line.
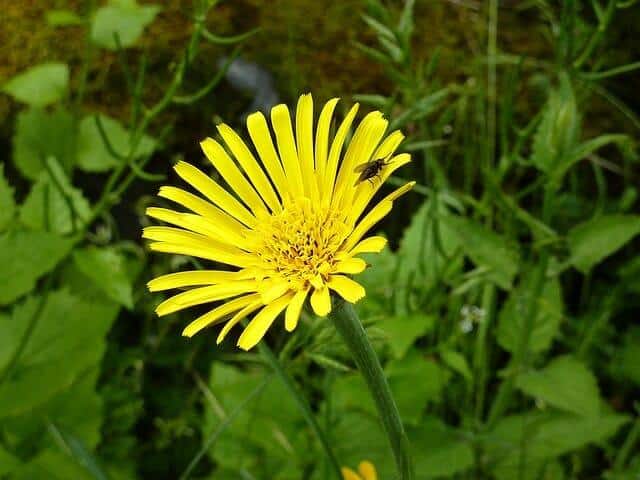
[505, 311]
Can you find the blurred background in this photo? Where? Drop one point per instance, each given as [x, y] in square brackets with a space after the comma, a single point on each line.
[505, 310]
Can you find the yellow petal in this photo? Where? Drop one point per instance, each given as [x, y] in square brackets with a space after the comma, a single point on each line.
[218, 230]
[199, 206]
[261, 138]
[334, 155]
[376, 214]
[364, 142]
[367, 470]
[250, 166]
[321, 301]
[198, 296]
[294, 309]
[351, 266]
[348, 474]
[207, 253]
[322, 139]
[248, 310]
[304, 139]
[261, 322]
[273, 289]
[281, 121]
[190, 279]
[214, 192]
[233, 176]
[389, 145]
[217, 314]
[345, 287]
[369, 245]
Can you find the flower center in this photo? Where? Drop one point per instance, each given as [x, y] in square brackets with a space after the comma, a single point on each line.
[300, 244]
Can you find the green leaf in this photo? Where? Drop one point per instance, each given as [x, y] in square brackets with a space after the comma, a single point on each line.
[63, 18]
[549, 312]
[426, 254]
[487, 249]
[124, 18]
[66, 339]
[107, 268]
[52, 465]
[6, 200]
[93, 154]
[403, 331]
[39, 86]
[54, 205]
[594, 240]
[438, 449]
[25, 257]
[78, 451]
[457, 362]
[626, 363]
[565, 383]
[534, 438]
[559, 130]
[265, 436]
[8, 463]
[40, 135]
[415, 381]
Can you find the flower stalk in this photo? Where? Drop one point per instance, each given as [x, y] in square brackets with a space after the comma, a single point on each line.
[352, 332]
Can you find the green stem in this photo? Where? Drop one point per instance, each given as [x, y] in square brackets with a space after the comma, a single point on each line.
[350, 329]
[284, 377]
[627, 446]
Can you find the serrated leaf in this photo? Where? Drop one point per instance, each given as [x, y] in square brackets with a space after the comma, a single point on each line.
[107, 269]
[439, 450]
[596, 239]
[124, 18]
[535, 438]
[7, 202]
[25, 257]
[39, 86]
[66, 338]
[94, 156]
[40, 135]
[403, 331]
[549, 312]
[487, 248]
[558, 131]
[415, 381]
[54, 205]
[565, 383]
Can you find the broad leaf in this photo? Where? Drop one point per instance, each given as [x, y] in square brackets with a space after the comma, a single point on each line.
[94, 156]
[65, 339]
[63, 18]
[53, 204]
[457, 362]
[122, 18]
[25, 257]
[596, 239]
[535, 438]
[438, 449]
[7, 202]
[40, 135]
[487, 249]
[40, 85]
[565, 383]
[403, 331]
[107, 268]
[548, 314]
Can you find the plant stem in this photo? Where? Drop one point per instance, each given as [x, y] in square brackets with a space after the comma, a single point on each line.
[280, 372]
[350, 329]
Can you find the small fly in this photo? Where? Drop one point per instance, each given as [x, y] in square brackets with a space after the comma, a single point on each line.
[369, 170]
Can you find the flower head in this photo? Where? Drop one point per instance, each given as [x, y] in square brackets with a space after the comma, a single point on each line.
[290, 225]
[366, 471]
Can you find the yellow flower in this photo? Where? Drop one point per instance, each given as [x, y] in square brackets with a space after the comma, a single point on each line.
[366, 471]
[290, 226]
